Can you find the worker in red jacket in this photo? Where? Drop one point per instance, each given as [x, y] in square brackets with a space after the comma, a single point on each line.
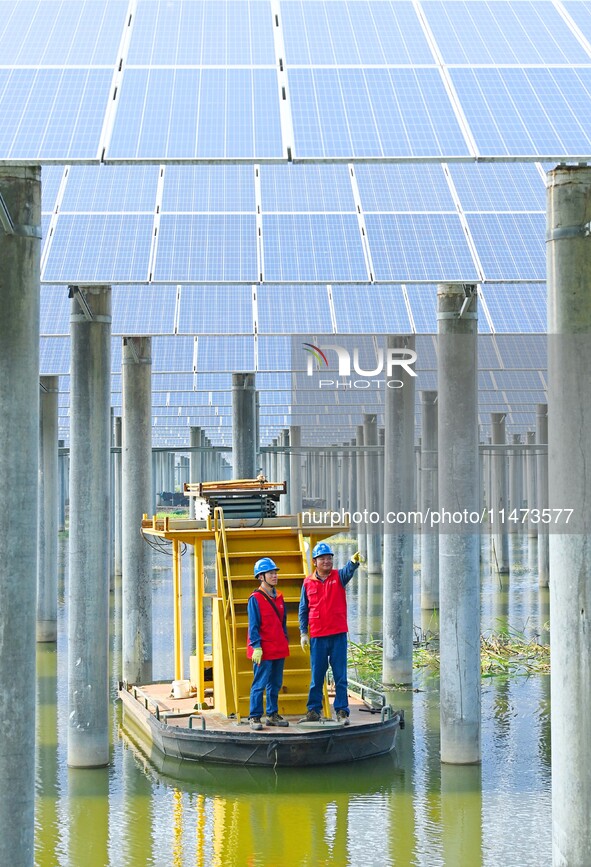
[323, 629]
[268, 644]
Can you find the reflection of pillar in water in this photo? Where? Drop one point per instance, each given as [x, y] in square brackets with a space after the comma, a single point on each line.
[375, 593]
[542, 468]
[500, 600]
[138, 814]
[88, 807]
[47, 838]
[402, 838]
[544, 615]
[362, 602]
[461, 814]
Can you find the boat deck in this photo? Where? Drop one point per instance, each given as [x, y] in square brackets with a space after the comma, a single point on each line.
[160, 696]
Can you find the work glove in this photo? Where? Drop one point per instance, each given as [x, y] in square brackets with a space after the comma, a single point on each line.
[305, 642]
[357, 558]
[257, 655]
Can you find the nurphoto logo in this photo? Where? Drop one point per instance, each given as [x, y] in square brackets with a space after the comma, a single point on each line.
[388, 360]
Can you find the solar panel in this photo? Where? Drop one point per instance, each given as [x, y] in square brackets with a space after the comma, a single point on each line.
[326, 33]
[110, 189]
[510, 246]
[419, 247]
[293, 309]
[230, 354]
[517, 308]
[54, 318]
[197, 114]
[100, 248]
[215, 310]
[499, 187]
[205, 188]
[54, 356]
[207, 248]
[348, 113]
[403, 187]
[312, 248]
[303, 187]
[370, 309]
[491, 32]
[143, 310]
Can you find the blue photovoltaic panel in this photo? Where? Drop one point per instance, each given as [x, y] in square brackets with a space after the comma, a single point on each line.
[423, 304]
[418, 247]
[213, 381]
[143, 310]
[228, 354]
[304, 187]
[51, 178]
[197, 114]
[527, 111]
[277, 381]
[54, 356]
[109, 189]
[215, 310]
[497, 33]
[54, 310]
[100, 248]
[517, 308]
[525, 351]
[207, 249]
[52, 113]
[172, 355]
[206, 188]
[85, 33]
[342, 33]
[499, 186]
[403, 187]
[171, 383]
[220, 33]
[373, 113]
[581, 15]
[525, 380]
[293, 309]
[510, 246]
[312, 248]
[274, 353]
[370, 309]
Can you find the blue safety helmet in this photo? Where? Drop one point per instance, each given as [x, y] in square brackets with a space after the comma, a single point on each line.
[265, 564]
[321, 549]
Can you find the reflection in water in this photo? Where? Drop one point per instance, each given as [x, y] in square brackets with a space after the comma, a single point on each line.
[400, 810]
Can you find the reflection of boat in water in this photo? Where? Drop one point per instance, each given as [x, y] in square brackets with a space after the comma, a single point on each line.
[210, 725]
[371, 775]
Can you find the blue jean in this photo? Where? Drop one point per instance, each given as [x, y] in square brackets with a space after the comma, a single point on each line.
[333, 649]
[267, 676]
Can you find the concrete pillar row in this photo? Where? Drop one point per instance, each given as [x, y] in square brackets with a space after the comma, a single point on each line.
[195, 471]
[20, 188]
[244, 425]
[48, 511]
[136, 491]
[569, 485]
[459, 554]
[295, 470]
[515, 482]
[90, 437]
[374, 531]
[117, 512]
[359, 497]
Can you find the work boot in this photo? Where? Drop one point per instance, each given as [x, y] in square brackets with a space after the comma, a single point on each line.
[256, 724]
[276, 719]
[343, 717]
[311, 716]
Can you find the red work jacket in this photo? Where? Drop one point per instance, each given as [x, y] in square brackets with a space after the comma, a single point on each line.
[273, 641]
[327, 605]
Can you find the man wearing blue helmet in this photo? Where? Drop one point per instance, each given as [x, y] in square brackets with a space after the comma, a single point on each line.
[323, 629]
[268, 644]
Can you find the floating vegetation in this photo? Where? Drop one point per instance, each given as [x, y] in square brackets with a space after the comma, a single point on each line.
[508, 654]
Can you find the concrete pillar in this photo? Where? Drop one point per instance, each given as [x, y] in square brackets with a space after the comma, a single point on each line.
[295, 469]
[515, 483]
[243, 425]
[381, 467]
[344, 477]
[542, 472]
[359, 498]
[136, 366]
[286, 470]
[429, 501]
[48, 511]
[333, 464]
[20, 189]
[532, 528]
[569, 457]
[117, 513]
[374, 540]
[62, 487]
[499, 504]
[459, 560]
[274, 477]
[399, 414]
[90, 437]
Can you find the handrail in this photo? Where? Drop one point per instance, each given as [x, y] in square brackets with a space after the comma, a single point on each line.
[229, 604]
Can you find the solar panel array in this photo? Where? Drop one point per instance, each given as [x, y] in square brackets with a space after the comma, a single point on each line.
[242, 171]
